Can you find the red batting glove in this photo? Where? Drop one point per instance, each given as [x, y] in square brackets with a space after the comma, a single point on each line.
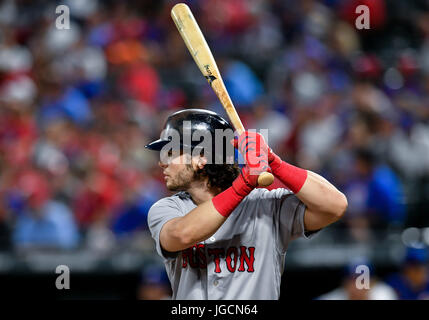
[254, 150]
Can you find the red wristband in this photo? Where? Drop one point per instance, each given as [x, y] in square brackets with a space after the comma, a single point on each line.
[226, 201]
[293, 177]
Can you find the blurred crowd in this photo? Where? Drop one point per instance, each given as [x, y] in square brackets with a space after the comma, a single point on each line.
[410, 282]
[78, 105]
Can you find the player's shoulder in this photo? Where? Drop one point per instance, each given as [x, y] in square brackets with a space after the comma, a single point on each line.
[174, 201]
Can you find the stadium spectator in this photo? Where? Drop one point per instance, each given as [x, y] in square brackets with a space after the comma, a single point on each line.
[412, 282]
[41, 222]
[78, 105]
[350, 290]
[154, 284]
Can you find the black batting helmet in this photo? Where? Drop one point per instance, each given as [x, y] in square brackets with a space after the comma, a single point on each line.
[197, 120]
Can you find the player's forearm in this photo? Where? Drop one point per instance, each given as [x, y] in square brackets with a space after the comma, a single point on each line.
[198, 225]
[203, 221]
[321, 196]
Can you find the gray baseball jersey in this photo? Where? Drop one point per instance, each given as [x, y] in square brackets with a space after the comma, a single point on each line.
[244, 259]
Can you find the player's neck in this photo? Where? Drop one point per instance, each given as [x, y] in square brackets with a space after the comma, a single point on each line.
[201, 193]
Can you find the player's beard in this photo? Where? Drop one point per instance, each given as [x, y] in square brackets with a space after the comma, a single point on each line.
[182, 181]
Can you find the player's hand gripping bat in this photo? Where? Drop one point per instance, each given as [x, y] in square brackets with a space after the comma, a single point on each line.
[200, 51]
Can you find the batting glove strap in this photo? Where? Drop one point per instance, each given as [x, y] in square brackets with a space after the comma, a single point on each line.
[273, 160]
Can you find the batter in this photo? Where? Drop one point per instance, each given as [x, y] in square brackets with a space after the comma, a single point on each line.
[222, 237]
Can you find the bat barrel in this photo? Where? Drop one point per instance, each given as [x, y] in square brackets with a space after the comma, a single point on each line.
[201, 53]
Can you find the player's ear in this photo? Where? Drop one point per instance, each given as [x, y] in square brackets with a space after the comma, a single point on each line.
[202, 161]
[199, 159]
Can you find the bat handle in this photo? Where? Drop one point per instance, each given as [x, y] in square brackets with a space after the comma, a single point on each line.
[265, 179]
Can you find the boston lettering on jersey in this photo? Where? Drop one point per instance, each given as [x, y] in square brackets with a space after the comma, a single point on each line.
[196, 257]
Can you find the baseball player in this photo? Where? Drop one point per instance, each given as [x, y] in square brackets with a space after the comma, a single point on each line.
[220, 236]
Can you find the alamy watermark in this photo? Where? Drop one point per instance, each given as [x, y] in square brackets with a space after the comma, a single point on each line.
[362, 21]
[217, 147]
[62, 22]
[63, 280]
[363, 280]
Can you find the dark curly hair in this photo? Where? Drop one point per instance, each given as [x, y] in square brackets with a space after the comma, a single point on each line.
[219, 175]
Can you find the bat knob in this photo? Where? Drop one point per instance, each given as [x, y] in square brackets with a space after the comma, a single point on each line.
[265, 179]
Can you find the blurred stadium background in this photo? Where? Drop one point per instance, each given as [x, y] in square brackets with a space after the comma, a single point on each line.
[77, 107]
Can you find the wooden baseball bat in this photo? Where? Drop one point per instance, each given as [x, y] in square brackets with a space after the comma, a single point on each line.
[200, 51]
